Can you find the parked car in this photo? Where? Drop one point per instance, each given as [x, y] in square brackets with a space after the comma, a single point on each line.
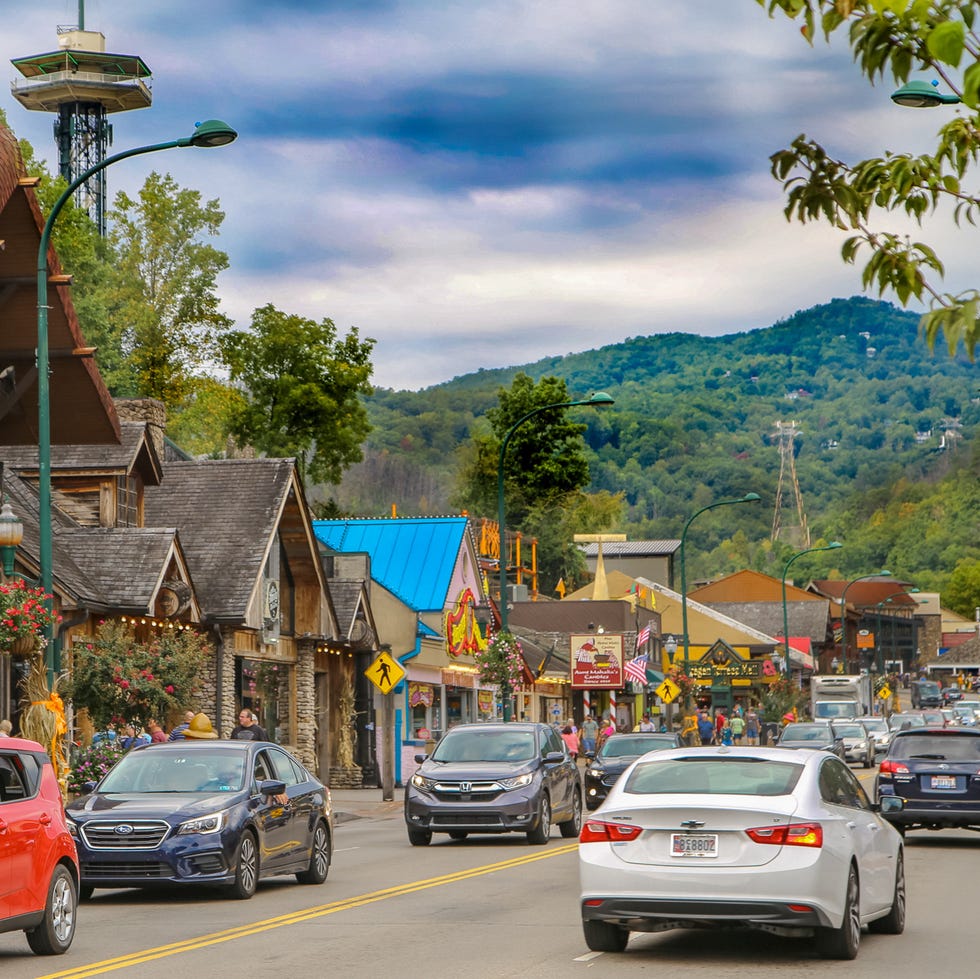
[878, 728]
[934, 770]
[818, 735]
[766, 838]
[38, 862]
[951, 695]
[494, 778]
[615, 756]
[225, 813]
[859, 745]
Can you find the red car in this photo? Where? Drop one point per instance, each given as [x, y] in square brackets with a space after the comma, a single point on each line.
[38, 862]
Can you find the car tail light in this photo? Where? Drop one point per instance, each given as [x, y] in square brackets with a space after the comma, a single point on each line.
[892, 767]
[596, 831]
[795, 834]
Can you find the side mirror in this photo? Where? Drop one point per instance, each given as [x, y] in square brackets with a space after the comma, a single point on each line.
[420, 758]
[554, 757]
[891, 803]
[272, 787]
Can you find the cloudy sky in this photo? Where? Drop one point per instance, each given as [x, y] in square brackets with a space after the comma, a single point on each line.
[480, 184]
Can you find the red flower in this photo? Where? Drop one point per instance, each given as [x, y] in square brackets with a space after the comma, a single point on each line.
[124, 684]
[169, 688]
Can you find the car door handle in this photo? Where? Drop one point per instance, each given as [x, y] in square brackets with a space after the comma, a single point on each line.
[3, 826]
[851, 824]
[44, 819]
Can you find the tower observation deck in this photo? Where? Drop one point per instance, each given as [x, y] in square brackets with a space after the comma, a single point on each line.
[83, 83]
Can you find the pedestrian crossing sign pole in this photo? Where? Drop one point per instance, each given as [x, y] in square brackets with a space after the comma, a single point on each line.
[386, 673]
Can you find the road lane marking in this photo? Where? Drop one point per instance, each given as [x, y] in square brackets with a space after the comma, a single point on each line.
[588, 957]
[305, 914]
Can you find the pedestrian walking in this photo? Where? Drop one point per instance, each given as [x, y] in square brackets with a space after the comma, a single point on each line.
[706, 729]
[751, 726]
[590, 734]
[737, 724]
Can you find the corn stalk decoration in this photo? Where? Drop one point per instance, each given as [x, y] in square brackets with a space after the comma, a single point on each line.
[43, 720]
[347, 713]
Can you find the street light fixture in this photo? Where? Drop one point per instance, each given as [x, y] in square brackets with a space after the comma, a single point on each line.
[832, 546]
[213, 132]
[599, 399]
[843, 609]
[922, 95]
[748, 498]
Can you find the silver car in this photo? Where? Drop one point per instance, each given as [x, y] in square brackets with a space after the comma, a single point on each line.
[785, 842]
[859, 745]
[878, 729]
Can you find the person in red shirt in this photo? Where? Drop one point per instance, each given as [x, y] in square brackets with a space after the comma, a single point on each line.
[156, 732]
[720, 722]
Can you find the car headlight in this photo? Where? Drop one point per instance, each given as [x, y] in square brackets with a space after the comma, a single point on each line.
[72, 827]
[421, 782]
[517, 782]
[597, 772]
[211, 823]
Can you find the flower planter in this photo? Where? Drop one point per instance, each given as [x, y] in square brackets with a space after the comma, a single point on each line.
[23, 646]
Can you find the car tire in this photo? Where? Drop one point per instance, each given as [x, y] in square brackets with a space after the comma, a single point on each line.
[420, 837]
[602, 936]
[458, 834]
[844, 942]
[57, 928]
[246, 869]
[542, 830]
[572, 827]
[319, 866]
[894, 922]
[85, 892]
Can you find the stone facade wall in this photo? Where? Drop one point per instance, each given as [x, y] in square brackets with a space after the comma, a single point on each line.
[225, 682]
[306, 706]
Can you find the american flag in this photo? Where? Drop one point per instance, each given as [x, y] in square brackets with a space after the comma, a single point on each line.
[636, 669]
[643, 637]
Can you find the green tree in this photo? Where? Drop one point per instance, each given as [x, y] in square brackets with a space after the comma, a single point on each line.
[301, 386]
[545, 457]
[896, 37]
[962, 592]
[202, 424]
[163, 320]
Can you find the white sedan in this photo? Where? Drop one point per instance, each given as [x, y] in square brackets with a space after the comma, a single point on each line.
[787, 842]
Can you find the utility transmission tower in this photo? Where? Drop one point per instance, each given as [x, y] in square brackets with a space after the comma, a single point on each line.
[797, 532]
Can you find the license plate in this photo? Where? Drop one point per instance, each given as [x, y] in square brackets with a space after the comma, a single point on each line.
[693, 845]
[943, 782]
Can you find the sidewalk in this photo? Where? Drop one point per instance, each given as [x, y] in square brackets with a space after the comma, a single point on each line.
[351, 804]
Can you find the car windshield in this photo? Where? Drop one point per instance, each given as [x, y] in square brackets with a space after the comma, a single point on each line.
[491, 745]
[849, 731]
[714, 776]
[631, 747]
[165, 769]
[805, 732]
[897, 721]
[942, 747]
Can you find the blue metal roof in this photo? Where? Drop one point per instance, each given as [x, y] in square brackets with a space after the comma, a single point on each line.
[413, 557]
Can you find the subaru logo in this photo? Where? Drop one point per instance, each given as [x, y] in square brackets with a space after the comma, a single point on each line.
[123, 829]
[465, 786]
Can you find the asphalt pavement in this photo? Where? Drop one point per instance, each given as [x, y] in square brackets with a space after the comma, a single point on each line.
[351, 804]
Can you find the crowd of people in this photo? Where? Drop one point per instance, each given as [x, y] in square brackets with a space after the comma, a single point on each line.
[193, 725]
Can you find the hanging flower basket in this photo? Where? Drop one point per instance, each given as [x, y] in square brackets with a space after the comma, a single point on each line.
[23, 646]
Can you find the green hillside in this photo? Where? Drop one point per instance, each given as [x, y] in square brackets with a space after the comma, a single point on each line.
[881, 420]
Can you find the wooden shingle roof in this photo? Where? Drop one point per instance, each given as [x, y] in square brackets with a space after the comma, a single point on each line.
[225, 510]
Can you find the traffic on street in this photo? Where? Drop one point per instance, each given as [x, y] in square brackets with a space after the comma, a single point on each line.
[489, 905]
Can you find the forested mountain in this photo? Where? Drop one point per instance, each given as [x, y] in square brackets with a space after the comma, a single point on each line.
[880, 421]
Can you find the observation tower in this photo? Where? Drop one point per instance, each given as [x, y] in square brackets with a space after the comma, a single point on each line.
[82, 83]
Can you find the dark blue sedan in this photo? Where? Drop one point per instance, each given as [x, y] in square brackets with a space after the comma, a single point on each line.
[224, 813]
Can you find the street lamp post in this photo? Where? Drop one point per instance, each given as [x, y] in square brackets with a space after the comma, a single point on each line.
[600, 398]
[832, 546]
[748, 498]
[206, 134]
[843, 609]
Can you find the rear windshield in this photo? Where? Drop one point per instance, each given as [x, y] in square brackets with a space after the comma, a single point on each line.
[485, 746]
[942, 747]
[714, 776]
[849, 730]
[805, 732]
[629, 747]
[897, 721]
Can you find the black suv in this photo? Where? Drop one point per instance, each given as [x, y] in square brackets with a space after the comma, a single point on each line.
[935, 770]
[495, 778]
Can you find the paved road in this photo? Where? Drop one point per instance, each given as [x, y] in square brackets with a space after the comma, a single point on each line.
[490, 907]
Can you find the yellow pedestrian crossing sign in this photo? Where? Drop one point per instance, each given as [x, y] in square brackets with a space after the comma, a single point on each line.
[885, 692]
[385, 672]
[668, 691]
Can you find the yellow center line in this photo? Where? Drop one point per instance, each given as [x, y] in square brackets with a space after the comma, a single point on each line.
[305, 914]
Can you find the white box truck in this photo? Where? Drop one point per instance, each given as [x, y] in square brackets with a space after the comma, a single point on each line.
[840, 695]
